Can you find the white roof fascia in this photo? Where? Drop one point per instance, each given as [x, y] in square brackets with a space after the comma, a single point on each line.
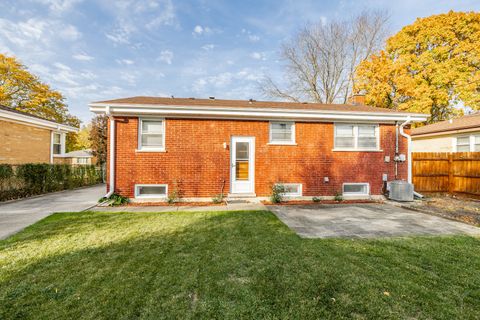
[42, 123]
[251, 113]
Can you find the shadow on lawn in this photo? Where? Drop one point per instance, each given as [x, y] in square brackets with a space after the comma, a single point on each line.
[233, 265]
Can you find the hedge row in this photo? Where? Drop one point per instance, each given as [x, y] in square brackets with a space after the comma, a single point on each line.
[31, 179]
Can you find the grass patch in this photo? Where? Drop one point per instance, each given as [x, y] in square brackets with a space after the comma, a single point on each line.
[234, 265]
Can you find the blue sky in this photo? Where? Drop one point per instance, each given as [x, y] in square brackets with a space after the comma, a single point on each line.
[96, 50]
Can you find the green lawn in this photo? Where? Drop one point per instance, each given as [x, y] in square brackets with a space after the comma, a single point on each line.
[228, 265]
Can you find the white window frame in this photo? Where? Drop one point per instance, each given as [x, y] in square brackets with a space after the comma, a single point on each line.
[151, 196]
[150, 149]
[292, 139]
[290, 194]
[62, 144]
[82, 158]
[355, 136]
[471, 142]
[347, 194]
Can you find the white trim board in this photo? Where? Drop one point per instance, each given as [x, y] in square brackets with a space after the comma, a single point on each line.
[250, 113]
[40, 123]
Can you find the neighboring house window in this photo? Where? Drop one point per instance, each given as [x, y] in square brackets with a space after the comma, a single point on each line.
[463, 144]
[282, 132]
[82, 160]
[467, 143]
[151, 135]
[291, 189]
[151, 190]
[356, 137]
[476, 143]
[57, 143]
[356, 189]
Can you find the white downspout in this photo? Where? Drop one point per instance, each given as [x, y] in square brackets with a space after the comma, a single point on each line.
[112, 154]
[409, 152]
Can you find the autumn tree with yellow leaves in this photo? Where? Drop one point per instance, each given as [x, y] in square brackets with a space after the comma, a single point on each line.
[429, 67]
[23, 91]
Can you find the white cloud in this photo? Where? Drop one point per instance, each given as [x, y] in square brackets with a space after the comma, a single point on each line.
[121, 34]
[124, 61]
[61, 66]
[134, 16]
[208, 47]
[323, 20]
[224, 79]
[253, 38]
[199, 30]
[36, 34]
[59, 6]
[70, 33]
[166, 56]
[128, 77]
[258, 55]
[82, 57]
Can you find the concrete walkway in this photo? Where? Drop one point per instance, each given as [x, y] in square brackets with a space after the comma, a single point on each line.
[16, 215]
[365, 221]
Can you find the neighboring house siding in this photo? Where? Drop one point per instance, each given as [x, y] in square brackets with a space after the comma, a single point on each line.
[196, 160]
[444, 143]
[433, 144]
[23, 143]
[61, 160]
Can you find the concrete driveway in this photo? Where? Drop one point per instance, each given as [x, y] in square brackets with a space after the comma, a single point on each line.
[365, 221]
[16, 215]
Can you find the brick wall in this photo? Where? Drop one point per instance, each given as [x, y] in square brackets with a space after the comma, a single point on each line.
[23, 143]
[197, 162]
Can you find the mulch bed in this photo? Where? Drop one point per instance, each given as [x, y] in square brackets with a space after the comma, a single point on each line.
[177, 204]
[455, 207]
[309, 202]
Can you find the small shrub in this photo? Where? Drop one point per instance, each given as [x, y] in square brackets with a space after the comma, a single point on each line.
[316, 199]
[218, 198]
[277, 193]
[174, 196]
[115, 200]
[338, 197]
[6, 171]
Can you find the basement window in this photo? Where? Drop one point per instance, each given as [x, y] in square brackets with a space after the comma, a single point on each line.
[356, 189]
[291, 189]
[151, 191]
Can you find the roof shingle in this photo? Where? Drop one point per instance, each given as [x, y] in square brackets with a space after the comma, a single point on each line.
[246, 104]
[465, 122]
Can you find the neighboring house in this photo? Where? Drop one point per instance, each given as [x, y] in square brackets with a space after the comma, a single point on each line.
[205, 147]
[77, 157]
[25, 138]
[455, 135]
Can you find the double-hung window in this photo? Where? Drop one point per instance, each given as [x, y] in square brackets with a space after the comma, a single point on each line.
[467, 143]
[476, 143]
[463, 144]
[282, 132]
[151, 135]
[57, 143]
[356, 137]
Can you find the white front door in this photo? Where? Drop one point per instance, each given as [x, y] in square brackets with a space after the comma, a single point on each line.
[242, 163]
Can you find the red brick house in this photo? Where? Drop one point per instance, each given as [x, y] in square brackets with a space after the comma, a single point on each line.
[204, 147]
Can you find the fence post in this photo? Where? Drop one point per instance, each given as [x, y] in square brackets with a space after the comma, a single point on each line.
[451, 181]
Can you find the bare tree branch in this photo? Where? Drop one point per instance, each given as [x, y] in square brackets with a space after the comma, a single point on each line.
[321, 59]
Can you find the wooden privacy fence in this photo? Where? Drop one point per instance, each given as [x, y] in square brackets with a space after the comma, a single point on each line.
[446, 172]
